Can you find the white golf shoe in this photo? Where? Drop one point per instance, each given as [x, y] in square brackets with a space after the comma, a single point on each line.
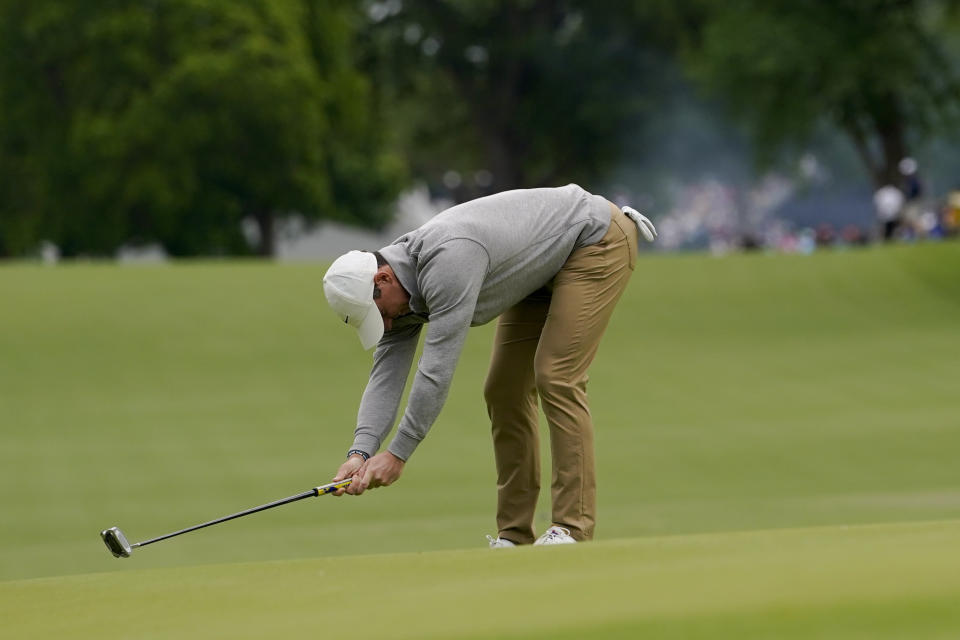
[500, 543]
[555, 535]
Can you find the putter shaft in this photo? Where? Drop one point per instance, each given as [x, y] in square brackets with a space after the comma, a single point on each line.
[316, 491]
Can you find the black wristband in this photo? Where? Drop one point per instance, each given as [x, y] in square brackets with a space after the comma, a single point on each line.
[362, 454]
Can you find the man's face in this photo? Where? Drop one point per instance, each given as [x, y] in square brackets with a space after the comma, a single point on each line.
[394, 301]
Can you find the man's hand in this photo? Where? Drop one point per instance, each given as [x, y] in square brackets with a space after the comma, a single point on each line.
[381, 470]
[349, 469]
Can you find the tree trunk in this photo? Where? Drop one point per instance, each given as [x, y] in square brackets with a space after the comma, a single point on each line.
[266, 248]
[861, 142]
[887, 128]
[891, 132]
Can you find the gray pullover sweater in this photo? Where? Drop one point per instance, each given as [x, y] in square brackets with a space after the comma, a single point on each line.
[463, 268]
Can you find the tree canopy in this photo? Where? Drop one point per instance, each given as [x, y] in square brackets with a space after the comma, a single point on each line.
[877, 70]
[513, 94]
[172, 121]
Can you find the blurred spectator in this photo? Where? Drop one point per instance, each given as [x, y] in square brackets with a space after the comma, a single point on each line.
[825, 235]
[912, 188]
[931, 225]
[912, 223]
[888, 201]
[750, 242]
[951, 214]
[854, 236]
[807, 241]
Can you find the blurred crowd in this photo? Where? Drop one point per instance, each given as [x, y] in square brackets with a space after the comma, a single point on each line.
[905, 213]
[722, 218]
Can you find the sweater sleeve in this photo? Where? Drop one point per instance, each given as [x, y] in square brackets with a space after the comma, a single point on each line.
[450, 281]
[388, 377]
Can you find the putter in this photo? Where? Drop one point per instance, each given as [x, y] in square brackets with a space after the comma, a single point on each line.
[120, 547]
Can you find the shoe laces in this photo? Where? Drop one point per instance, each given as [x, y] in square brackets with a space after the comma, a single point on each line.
[557, 532]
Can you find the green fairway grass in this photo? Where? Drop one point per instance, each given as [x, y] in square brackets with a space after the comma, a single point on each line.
[749, 392]
[877, 582]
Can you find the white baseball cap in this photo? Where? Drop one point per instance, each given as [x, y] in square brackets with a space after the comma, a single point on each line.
[348, 285]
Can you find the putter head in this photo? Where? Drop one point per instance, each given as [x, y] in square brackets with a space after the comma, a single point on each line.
[116, 542]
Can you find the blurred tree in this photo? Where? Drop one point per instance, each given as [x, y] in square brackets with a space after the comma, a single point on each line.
[173, 121]
[875, 69]
[497, 94]
[366, 171]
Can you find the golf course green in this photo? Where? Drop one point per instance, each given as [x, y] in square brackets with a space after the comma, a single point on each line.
[777, 449]
[882, 581]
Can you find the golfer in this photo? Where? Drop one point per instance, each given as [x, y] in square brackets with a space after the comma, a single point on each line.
[551, 263]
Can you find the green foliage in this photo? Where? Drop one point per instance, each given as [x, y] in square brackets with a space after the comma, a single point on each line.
[172, 121]
[537, 92]
[874, 69]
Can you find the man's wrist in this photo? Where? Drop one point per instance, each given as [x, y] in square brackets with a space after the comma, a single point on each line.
[358, 452]
[403, 445]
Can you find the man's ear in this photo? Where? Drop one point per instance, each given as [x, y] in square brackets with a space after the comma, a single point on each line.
[382, 277]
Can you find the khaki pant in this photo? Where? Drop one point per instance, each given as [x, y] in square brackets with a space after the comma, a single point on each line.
[543, 347]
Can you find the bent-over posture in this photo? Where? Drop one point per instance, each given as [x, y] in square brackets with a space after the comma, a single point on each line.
[552, 264]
